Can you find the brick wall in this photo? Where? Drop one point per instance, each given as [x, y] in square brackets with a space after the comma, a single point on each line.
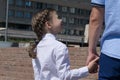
[15, 63]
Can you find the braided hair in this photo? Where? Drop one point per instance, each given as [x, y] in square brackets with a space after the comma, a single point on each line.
[38, 26]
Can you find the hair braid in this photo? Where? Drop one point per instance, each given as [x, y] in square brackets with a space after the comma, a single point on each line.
[38, 23]
[38, 26]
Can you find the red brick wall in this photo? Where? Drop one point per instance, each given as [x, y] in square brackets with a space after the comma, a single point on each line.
[15, 63]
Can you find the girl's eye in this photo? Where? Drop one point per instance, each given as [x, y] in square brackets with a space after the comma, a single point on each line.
[59, 17]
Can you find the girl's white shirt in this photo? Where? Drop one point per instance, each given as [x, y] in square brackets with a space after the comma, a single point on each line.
[52, 61]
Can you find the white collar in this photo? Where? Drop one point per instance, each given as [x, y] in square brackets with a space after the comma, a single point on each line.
[49, 35]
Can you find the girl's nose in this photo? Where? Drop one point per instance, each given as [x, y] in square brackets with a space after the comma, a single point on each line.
[60, 20]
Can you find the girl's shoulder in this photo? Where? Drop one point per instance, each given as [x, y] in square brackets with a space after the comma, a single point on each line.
[60, 44]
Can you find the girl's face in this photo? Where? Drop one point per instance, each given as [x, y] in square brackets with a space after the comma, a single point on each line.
[55, 23]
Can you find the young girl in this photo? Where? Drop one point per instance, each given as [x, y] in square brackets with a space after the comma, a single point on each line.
[50, 57]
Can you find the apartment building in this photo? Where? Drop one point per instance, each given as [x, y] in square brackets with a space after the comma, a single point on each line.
[74, 13]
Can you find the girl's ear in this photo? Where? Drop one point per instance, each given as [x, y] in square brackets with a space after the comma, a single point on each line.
[47, 24]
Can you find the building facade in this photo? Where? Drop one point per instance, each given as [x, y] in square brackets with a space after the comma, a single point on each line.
[74, 13]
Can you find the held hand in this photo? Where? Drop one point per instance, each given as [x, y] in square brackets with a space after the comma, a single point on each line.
[93, 65]
[91, 57]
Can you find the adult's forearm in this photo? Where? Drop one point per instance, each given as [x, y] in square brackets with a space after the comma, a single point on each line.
[96, 23]
[94, 34]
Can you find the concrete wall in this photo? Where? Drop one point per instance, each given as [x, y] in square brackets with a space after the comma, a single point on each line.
[5, 44]
[15, 63]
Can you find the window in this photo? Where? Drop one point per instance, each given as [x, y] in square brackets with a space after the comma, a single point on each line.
[77, 32]
[81, 21]
[38, 5]
[56, 7]
[11, 2]
[28, 4]
[44, 5]
[79, 11]
[87, 12]
[71, 20]
[72, 10]
[64, 19]
[68, 31]
[19, 14]
[74, 32]
[77, 21]
[64, 9]
[49, 6]
[63, 31]
[19, 3]
[81, 33]
[2, 24]
[10, 13]
[82, 12]
[71, 32]
[84, 21]
[27, 15]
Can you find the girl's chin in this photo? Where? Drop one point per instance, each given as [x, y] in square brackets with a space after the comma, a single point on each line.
[59, 31]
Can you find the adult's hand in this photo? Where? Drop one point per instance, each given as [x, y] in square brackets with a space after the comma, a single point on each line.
[91, 56]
